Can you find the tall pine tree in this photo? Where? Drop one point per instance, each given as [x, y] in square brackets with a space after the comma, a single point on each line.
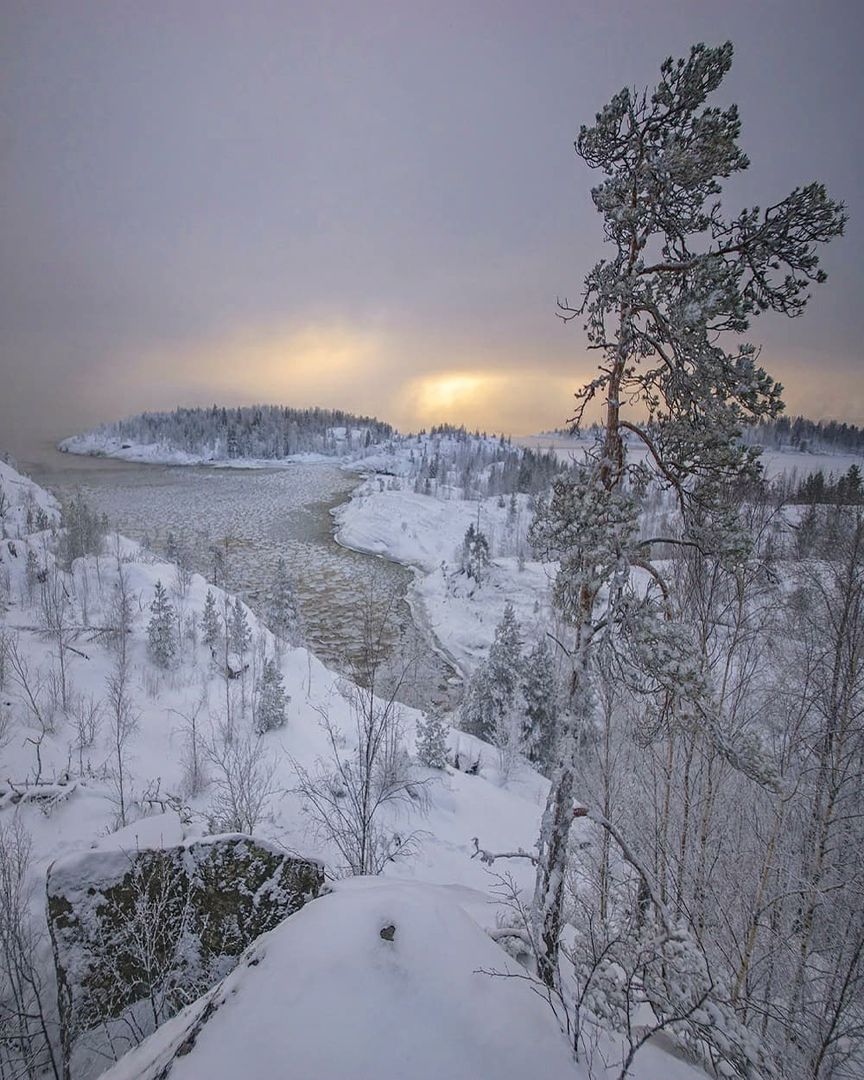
[680, 279]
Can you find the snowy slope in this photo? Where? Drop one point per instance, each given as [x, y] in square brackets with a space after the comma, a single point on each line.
[324, 995]
[327, 996]
[459, 806]
[20, 494]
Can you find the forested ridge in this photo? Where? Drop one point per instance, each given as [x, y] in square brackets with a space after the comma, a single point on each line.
[253, 431]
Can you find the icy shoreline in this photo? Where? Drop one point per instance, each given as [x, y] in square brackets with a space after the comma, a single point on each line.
[156, 454]
[424, 534]
[413, 599]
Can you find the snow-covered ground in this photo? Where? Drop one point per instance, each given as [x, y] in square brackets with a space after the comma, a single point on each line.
[436, 1001]
[439, 999]
[460, 806]
[84, 812]
[440, 894]
[387, 517]
[329, 997]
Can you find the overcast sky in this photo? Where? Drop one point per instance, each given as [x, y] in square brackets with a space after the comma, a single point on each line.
[370, 205]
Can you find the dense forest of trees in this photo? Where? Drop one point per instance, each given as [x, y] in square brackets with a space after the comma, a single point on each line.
[254, 431]
[478, 465]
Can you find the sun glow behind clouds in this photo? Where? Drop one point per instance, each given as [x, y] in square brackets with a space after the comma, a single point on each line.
[443, 395]
[364, 369]
[301, 366]
[389, 372]
[515, 400]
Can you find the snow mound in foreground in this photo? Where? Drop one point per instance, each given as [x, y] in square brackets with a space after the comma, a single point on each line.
[325, 995]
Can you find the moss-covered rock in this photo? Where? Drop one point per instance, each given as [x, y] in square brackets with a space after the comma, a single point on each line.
[142, 933]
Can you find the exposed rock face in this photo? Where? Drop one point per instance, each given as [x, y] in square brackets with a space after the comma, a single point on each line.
[152, 929]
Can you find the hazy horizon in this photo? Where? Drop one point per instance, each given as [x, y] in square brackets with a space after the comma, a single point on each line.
[369, 206]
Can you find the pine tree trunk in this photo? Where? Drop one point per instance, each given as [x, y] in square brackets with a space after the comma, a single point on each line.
[555, 828]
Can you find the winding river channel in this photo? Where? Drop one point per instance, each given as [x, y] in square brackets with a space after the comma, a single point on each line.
[258, 515]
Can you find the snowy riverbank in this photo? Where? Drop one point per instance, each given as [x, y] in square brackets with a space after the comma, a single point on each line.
[425, 533]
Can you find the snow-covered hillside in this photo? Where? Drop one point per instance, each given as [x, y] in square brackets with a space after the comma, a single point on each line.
[78, 772]
[78, 775]
[460, 806]
[244, 437]
[71, 775]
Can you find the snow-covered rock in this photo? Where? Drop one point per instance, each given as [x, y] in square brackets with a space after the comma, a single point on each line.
[329, 995]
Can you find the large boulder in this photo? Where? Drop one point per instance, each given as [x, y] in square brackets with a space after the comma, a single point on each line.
[139, 934]
[378, 980]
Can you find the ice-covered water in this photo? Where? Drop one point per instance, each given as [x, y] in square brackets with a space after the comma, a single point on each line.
[258, 515]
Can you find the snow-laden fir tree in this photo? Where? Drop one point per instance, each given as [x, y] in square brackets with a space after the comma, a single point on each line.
[540, 696]
[476, 714]
[161, 635]
[31, 573]
[282, 613]
[211, 624]
[239, 633]
[270, 706]
[681, 278]
[493, 690]
[432, 740]
[475, 553]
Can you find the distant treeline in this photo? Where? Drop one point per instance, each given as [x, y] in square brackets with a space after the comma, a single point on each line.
[799, 433]
[790, 432]
[255, 431]
[845, 490]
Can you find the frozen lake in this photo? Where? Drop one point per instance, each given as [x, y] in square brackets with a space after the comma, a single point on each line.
[263, 514]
